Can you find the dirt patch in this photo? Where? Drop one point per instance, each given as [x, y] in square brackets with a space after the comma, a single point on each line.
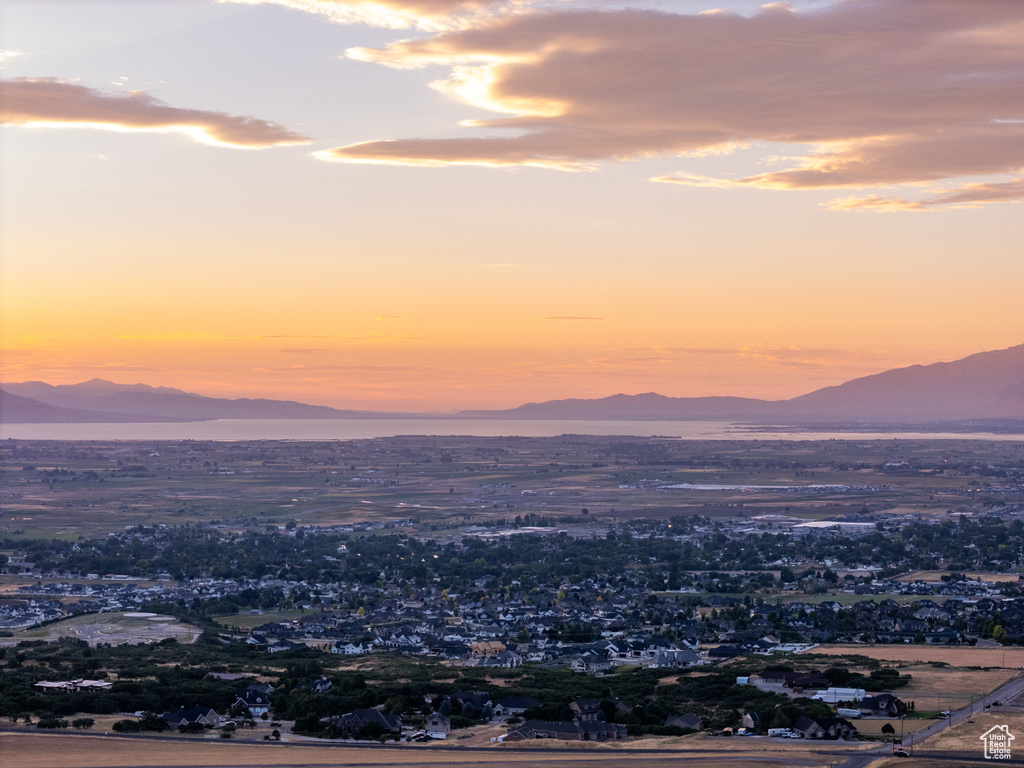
[113, 628]
[33, 750]
[501, 682]
[958, 656]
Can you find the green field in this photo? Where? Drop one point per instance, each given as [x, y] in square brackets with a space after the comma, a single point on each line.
[246, 621]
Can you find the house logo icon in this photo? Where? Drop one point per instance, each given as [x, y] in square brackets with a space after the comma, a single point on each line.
[997, 742]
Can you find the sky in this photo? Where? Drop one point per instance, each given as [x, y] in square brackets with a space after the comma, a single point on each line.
[430, 205]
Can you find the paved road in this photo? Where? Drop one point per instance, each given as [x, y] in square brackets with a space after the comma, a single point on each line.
[1010, 691]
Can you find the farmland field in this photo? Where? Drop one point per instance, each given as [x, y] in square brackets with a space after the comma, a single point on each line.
[88, 488]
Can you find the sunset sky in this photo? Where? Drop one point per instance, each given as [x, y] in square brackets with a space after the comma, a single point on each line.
[439, 204]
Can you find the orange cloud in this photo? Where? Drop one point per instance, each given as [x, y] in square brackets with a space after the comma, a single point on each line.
[58, 103]
[882, 92]
[967, 196]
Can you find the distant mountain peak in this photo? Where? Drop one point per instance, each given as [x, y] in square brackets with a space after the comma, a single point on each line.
[985, 385]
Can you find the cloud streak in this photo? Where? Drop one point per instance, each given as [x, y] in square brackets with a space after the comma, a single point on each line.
[868, 92]
[58, 103]
[967, 196]
[397, 14]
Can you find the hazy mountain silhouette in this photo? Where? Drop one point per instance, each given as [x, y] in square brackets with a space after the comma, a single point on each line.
[94, 400]
[987, 385]
[646, 407]
[23, 410]
[984, 386]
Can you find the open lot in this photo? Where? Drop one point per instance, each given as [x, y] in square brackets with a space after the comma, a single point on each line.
[966, 737]
[873, 727]
[113, 628]
[971, 672]
[971, 575]
[68, 750]
[1011, 658]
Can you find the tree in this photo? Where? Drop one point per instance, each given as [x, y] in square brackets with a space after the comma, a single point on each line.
[674, 582]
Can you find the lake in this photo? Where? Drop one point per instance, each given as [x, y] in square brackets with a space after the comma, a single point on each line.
[356, 429]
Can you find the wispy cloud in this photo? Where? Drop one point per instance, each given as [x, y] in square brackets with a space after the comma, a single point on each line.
[51, 367]
[7, 55]
[867, 92]
[398, 14]
[173, 336]
[342, 338]
[58, 103]
[967, 196]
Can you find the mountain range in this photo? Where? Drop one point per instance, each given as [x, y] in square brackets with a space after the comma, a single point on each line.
[988, 386]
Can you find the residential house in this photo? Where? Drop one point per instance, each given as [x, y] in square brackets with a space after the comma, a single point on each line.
[688, 721]
[512, 706]
[883, 705]
[567, 730]
[256, 699]
[590, 663]
[356, 720]
[201, 715]
[438, 726]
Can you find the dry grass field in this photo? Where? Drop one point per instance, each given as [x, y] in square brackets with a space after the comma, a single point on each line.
[67, 750]
[973, 575]
[874, 727]
[971, 671]
[958, 656]
[966, 737]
